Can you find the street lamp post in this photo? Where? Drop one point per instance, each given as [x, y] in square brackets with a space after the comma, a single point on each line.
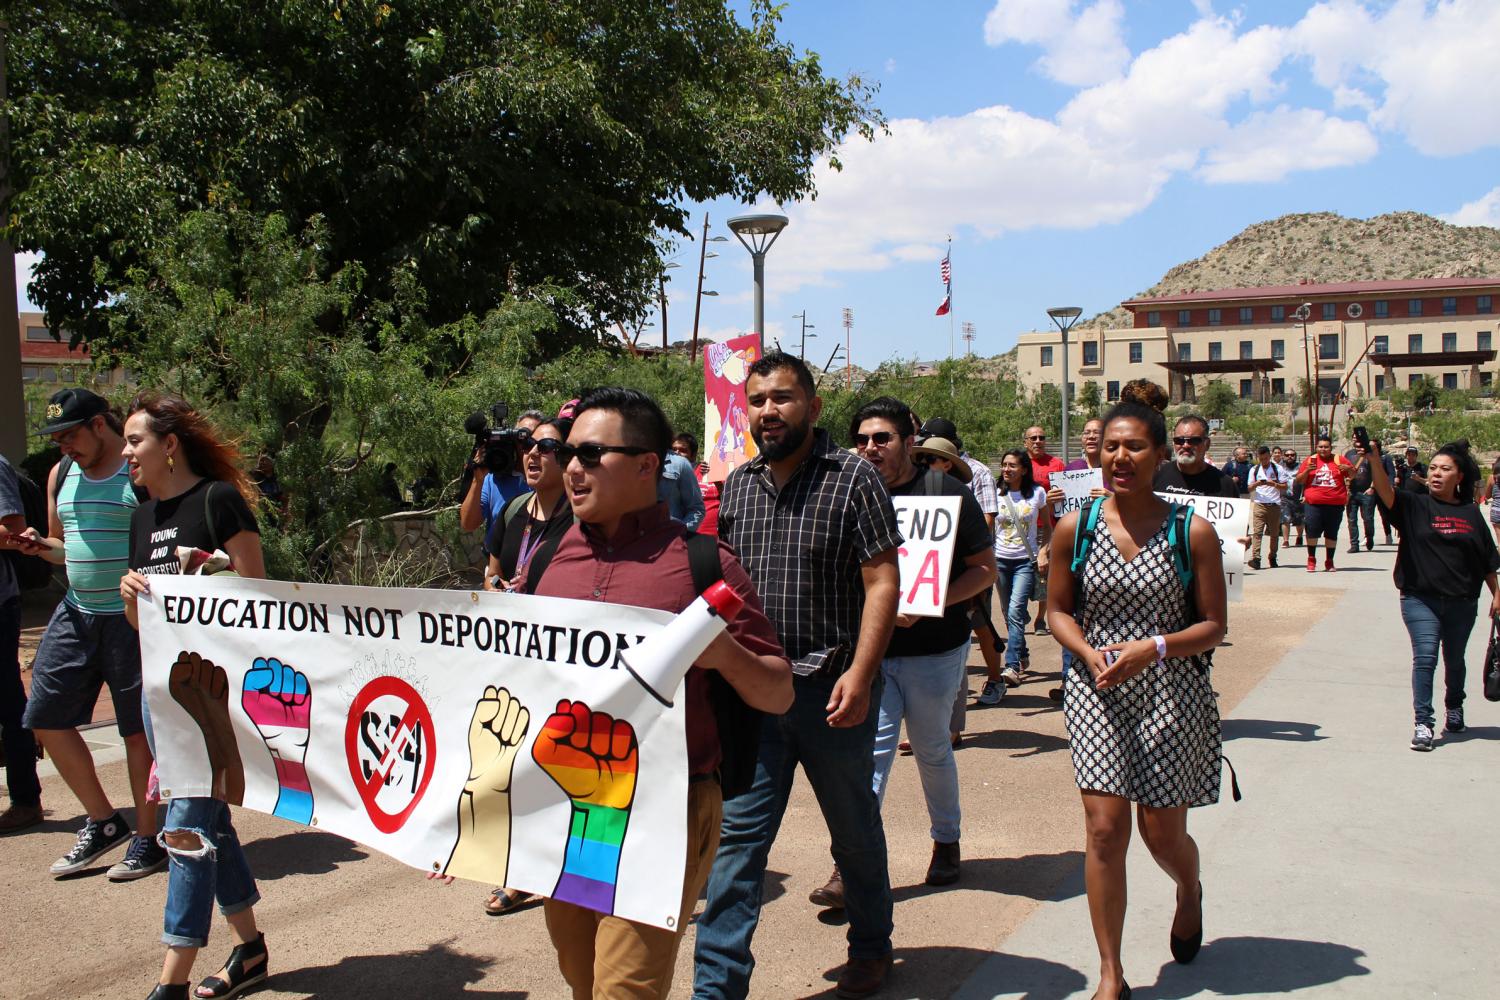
[1303, 312]
[703, 256]
[802, 352]
[756, 233]
[1064, 317]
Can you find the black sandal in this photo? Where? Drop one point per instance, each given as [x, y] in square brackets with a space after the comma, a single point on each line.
[240, 979]
[169, 991]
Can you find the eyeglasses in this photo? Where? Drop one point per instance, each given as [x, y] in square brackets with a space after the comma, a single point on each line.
[881, 438]
[547, 446]
[589, 455]
[1194, 439]
[1037, 437]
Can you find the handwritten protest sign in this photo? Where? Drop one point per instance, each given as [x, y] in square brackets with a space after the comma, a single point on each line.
[1231, 521]
[457, 732]
[930, 527]
[726, 432]
[1076, 485]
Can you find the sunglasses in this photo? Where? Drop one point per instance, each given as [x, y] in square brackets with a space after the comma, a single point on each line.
[1195, 440]
[882, 438]
[547, 446]
[1037, 437]
[589, 455]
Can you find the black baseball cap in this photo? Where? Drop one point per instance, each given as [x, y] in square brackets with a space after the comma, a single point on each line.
[941, 427]
[71, 407]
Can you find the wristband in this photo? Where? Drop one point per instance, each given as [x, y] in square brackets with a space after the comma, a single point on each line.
[1161, 648]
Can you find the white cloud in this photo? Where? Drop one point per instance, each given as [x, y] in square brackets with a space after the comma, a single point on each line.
[1081, 48]
[890, 65]
[1267, 146]
[1482, 211]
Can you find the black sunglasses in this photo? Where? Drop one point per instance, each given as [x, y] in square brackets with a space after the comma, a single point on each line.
[881, 438]
[547, 446]
[589, 455]
[1195, 440]
[1037, 437]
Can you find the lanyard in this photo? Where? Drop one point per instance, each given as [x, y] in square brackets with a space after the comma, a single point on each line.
[528, 547]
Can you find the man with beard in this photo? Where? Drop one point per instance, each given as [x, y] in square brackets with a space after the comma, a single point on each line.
[1042, 467]
[1189, 472]
[815, 528]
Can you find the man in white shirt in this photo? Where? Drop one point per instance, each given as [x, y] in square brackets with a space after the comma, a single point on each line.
[1267, 481]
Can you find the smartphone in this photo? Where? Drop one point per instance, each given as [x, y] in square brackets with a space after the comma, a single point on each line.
[1362, 438]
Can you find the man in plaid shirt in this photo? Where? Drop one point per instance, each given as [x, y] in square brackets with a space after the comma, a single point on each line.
[814, 527]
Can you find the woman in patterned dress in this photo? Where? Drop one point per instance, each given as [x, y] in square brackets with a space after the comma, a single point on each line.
[1142, 719]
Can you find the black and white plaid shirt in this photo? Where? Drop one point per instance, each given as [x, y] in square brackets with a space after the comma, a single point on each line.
[803, 547]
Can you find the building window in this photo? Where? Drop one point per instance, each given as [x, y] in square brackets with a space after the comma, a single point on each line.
[1482, 304]
[1247, 350]
[1215, 317]
[1184, 317]
[1328, 347]
[1379, 384]
[1153, 319]
[1112, 391]
[1413, 343]
[1278, 314]
[28, 373]
[1450, 305]
[1450, 380]
[1247, 315]
[36, 334]
[49, 374]
[1482, 340]
[1246, 387]
[1278, 387]
[1450, 342]
[1412, 380]
[1414, 307]
[1215, 351]
[1486, 378]
[1330, 310]
[1382, 308]
[1278, 350]
[1380, 345]
[67, 374]
[1090, 352]
[1047, 356]
[1184, 352]
[1135, 352]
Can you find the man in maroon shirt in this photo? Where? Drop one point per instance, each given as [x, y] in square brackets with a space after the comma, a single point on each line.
[1042, 467]
[626, 549]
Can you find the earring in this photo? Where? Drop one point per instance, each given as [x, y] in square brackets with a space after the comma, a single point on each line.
[171, 464]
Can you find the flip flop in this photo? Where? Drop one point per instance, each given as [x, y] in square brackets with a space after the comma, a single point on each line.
[503, 901]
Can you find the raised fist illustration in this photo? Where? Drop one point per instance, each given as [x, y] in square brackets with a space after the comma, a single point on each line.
[482, 850]
[590, 755]
[278, 699]
[202, 689]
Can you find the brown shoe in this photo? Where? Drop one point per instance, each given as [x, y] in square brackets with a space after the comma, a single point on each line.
[944, 867]
[830, 896]
[19, 818]
[863, 977]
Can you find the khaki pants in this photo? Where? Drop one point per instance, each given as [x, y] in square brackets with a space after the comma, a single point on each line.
[606, 957]
[1264, 517]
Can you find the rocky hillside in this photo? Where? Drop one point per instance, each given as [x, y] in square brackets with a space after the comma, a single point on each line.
[1322, 246]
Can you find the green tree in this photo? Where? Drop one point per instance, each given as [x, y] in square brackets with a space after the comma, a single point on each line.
[1217, 400]
[1089, 400]
[469, 149]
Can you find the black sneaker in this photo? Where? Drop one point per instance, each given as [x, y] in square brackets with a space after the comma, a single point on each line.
[94, 841]
[144, 857]
[1422, 738]
[1454, 723]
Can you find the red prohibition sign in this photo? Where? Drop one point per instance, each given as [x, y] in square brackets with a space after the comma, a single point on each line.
[415, 716]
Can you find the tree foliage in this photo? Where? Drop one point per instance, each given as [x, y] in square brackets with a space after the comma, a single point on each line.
[1217, 400]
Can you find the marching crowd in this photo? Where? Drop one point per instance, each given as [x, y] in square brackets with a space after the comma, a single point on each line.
[819, 668]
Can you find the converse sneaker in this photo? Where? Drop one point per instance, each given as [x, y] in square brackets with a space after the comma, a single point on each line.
[94, 841]
[1455, 721]
[993, 693]
[1422, 738]
[1011, 676]
[144, 856]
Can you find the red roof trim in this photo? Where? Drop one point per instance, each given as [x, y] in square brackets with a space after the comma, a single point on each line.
[1311, 291]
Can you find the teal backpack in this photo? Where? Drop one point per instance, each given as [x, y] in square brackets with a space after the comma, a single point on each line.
[1178, 536]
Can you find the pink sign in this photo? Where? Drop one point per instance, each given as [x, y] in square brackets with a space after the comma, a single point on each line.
[726, 435]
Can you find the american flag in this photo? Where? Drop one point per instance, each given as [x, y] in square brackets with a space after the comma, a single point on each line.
[947, 271]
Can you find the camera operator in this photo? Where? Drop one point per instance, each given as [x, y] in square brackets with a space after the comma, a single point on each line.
[488, 494]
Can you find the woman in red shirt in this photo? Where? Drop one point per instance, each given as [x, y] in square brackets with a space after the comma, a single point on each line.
[1325, 481]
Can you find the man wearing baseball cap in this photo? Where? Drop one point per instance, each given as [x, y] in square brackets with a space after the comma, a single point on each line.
[88, 642]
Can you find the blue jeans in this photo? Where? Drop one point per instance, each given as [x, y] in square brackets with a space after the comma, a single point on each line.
[1361, 506]
[921, 688]
[1014, 581]
[1431, 621]
[216, 871]
[839, 764]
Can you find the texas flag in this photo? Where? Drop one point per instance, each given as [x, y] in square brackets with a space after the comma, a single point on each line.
[942, 310]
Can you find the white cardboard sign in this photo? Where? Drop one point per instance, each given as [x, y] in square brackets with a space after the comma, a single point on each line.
[1077, 485]
[1231, 520]
[929, 526]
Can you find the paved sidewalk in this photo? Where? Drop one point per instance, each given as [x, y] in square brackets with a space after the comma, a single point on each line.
[1354, 867]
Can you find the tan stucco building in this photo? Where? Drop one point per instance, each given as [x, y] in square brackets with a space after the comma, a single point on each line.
[1363, 337]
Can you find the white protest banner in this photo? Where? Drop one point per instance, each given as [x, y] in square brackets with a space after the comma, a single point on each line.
[495, 737]
[930, 527]
[1231, 520]
[1076, 485]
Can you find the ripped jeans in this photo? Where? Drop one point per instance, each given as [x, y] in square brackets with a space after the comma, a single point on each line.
[217, 871]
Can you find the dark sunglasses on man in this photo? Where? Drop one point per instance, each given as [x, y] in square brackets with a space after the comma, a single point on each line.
[882, 438]
[589, 455]
[1190, 439]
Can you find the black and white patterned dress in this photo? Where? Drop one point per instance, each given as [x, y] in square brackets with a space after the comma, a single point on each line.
[1155, 738]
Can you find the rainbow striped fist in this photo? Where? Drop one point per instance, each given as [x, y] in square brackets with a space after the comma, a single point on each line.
[278, 700]
[593, 758]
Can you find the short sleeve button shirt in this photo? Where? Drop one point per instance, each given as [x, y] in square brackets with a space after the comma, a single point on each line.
[803, 546]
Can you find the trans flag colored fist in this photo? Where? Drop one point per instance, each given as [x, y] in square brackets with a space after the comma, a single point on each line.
[593, 758]
[278, 700]
[482, 850]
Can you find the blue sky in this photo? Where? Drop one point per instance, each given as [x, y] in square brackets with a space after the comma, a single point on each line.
[1077, 149]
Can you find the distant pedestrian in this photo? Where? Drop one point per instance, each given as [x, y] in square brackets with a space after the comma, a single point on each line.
[1492, 491]
[1238, 469]
[678, 489]
[25, 809]
[1042, 467]
[686, 445]
[1268, 481]
[1291, 501]
[1444, 558]
[1021, 534]
[1325, 481]
[1142, 718]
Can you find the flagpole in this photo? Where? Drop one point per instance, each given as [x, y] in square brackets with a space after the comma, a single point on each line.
[950, 298]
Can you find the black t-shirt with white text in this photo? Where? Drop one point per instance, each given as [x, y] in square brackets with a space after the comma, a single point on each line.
[930, 636]
[1207, 482]
[205, 516]
[1446, 548]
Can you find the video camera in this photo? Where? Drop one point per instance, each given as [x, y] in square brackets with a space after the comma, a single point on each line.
[498, 442]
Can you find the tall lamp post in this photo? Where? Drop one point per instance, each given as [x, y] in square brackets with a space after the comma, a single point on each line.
[802, 352]
[1303, 313]
[1064, 317]
[703, 256]
[756, 233]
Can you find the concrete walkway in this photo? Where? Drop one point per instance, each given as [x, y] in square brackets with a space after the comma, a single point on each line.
[1354, 867]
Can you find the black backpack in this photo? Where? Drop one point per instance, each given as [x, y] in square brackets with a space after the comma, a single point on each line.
[32, 572]
[738, 723]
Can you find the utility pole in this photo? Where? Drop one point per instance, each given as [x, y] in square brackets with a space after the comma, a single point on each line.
[663, 285]
[848, 358]
[802, 351]
[969, 339]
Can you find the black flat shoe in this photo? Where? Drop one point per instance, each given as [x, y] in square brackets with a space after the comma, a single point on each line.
[169, 991]
[1124, 991]
[1184, 950]
[240, 978]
